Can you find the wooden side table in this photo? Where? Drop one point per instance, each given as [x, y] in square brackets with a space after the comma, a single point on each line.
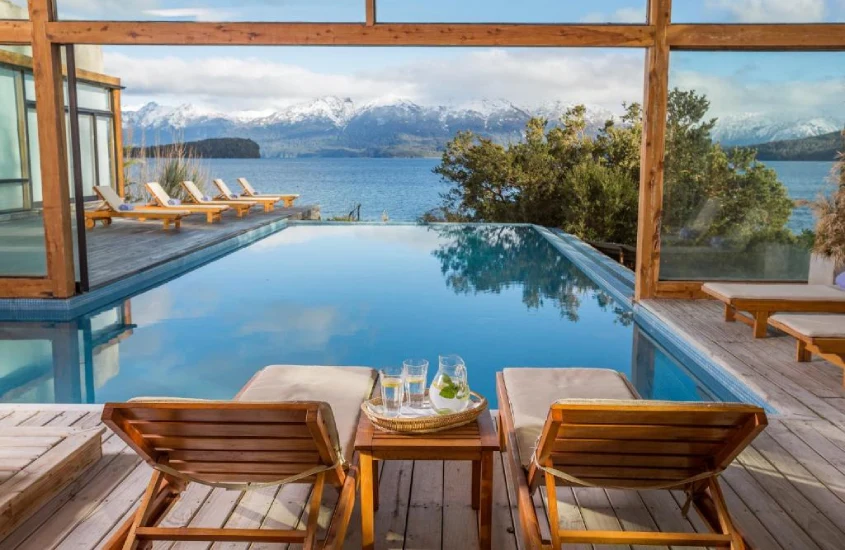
[475, 442]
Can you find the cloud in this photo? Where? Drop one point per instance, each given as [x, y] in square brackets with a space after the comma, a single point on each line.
[192, 14]
[771, 11]
[621, 15]
[733, 95]
[527, 77]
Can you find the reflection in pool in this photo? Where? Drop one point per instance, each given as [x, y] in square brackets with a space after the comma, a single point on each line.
[343, 295]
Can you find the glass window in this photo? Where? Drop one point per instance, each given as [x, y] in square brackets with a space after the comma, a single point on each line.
[92, 97]
[214, 10]
[10, 138]
[508, 11]
[758, 11]
[11, 196]
[87, 150]
[14, 9]
[104, 151]
[751, 140]
[34, 154]
[29, 86]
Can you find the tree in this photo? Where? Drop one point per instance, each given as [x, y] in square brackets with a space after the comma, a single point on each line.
[560, 176]
[830, 210]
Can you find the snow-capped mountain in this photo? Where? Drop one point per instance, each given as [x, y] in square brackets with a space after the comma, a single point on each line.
[393, 126]
[753, 128]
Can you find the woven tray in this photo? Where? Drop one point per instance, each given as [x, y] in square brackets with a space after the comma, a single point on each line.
[424, 424]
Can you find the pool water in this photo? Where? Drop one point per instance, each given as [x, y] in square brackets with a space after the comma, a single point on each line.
[499, 296]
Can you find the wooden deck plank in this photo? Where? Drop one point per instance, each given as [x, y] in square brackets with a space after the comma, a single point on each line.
[214, 512]
[460, 526]
[425, 512]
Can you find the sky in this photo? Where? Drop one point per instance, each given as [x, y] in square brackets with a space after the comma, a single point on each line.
[270, 78]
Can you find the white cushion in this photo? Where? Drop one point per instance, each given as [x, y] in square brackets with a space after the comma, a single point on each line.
[343, 389]
[531, 391]
[813, 325]
[786, 292]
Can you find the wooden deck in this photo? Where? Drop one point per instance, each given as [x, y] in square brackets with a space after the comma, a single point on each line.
[787, 491]
[127, 247]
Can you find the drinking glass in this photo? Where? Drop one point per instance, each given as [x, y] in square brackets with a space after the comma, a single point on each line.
[415, 372]
[392, 390]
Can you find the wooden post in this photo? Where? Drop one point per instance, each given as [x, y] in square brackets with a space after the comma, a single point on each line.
[371, 12]
[118, 141]
[49, 98]
[655, 100]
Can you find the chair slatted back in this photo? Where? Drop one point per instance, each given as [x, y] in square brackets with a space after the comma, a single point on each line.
[193, 191]
[109, 196]
[158, 193]
[223, 188]
[645, 444]
[220, 441]
[247, 186]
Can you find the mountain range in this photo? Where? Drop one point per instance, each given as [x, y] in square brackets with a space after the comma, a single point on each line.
[333, 126]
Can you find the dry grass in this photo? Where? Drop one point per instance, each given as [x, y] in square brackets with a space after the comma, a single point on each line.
[830, 210]
[169, 165]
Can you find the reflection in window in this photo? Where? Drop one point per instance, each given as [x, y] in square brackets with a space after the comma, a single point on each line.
[10, 145]
[105, 170]
[750, 136]
[507, 11]
[757, 11]
[212, 10]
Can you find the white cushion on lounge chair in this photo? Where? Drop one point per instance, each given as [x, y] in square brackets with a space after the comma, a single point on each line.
[192, 188]
[163, 199]
[532, 391]
[813, 325]
[344, 389]
[110, 196]
[786, 292]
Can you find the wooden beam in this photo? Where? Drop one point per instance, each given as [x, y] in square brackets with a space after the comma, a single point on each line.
[25, 287]
[828, 36]
[24, 61]
[346, 34]
[655, 100]
[371, 12]
[15, 32]
[47, 72]
[118, 141]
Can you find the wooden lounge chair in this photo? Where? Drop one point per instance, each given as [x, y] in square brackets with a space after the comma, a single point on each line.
[251, 192]
[588, 428]
[113, 206]
[163, 200]
[289, 424]
[195, 196]
[268, 202]
[762, 300]
[817, 333]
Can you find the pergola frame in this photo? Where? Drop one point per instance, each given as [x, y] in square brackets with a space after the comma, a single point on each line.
[659, 36]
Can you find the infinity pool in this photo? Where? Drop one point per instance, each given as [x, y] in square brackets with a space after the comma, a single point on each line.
[370, 295]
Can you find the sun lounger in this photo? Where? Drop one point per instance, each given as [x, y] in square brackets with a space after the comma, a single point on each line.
[251, 192]
[588, 428]
[113, 206]
[762, 300]
[289, 424]
[196, 196]
[163, 200]
[817, 333]
[268, 202]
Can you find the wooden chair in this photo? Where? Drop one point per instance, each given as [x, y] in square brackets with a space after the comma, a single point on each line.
[626, 444]
[111, 208]
[252, 193]
[241, 445]
[819, 334]
[163, 200]
[268, 202]
[195, 196]
[762, 300]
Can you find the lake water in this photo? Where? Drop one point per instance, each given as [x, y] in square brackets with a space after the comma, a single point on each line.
[407, 188]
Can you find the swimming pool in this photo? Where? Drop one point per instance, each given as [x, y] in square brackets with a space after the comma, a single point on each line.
[349, 294]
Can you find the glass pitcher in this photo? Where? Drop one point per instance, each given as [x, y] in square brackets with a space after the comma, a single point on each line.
[449, 390]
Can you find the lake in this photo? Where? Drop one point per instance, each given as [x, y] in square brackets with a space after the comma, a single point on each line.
[407, 188]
